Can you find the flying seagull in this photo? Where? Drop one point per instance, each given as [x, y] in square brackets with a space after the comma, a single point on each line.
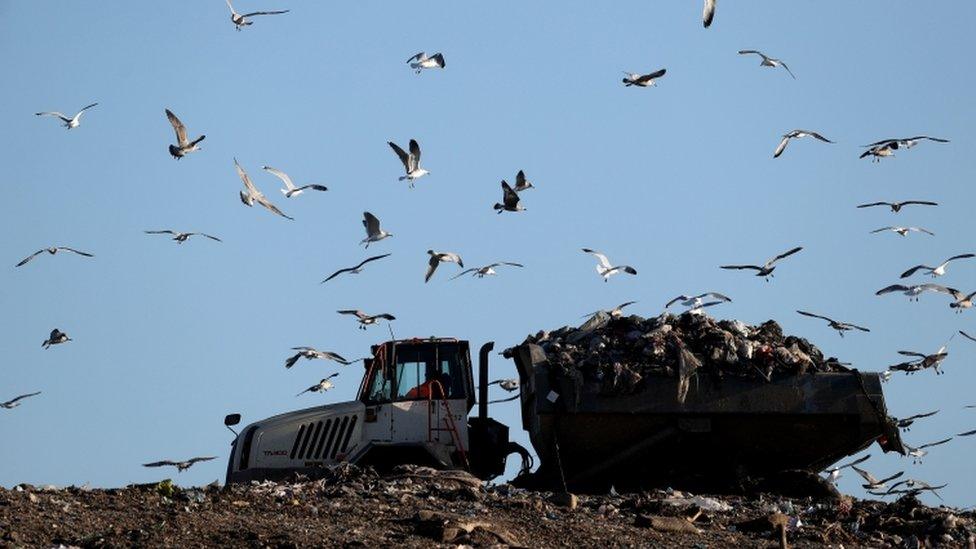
[938, 270]
[240, 20]
[52, 250]
[841, 327]
[616, 312]
[922, 361]
[354, 270]
[765, 270]
[57, 337]
[290, 189]
[897, 206]
[642, 80]
[254, 195]
[183, 145]
[506, 384]
[373, 231]
[708, 13]
[436, 258]
[420, 62]
[487, 270]
[834, 472]
[913, 487]
[906, 423]
[510, 200]
[696, 301]
[903, 231]
[913, 292]
[887, 147]
[919, 452]
[321, 386]
[182, 237]
[872, 482]
[521, 183]
[365, 319]
[312, 353]
[797, 134]
[605, 269]
[962, 301]
[768, 61]
[180, 465]
[69, 123]
[411, 162]
[15, 402]
[878, 152]
[967, 336]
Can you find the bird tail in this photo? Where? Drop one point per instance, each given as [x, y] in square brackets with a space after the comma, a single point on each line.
[401, 178]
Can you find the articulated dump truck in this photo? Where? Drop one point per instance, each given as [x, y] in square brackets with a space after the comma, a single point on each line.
[415, 401]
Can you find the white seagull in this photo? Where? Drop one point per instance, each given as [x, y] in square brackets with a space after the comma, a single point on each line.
[365, 319]
[834, 472]
[254, 195]
[887, 147]
[903, 231]
[240, 20]
[354, 270]
[963, 301]
[905, 423]
[436, 258]
[768, 61]
[765, 270]
[841, 327]
[605, 269]
[616, 312]
[15, 402]
[290, 189]
[506, 384]
[487, 270]
[797, 134]
[52, 250]
[919, 452]
[510, 200]
[321, 386]
[521, 183]
[897, 206]
[642, 80]
[411, 161]
[922, 361]
[57, 337]
[697, 301]
[180, 465]
[312, 353]
[914, 292]
[183, 145]
[373, 231]
[182, 237]
[874, 483]
[69, 123]
[420, 62]
[938, 270]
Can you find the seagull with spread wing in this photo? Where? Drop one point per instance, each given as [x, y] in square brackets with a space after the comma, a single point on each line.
[365, 319]
[915, 292]
[182, 237]
[354, 270]
[766, 269]
[616, 312]
[240, 20]
[797, 134]
[897, 206]
[312, 353]
[183, 145]
[841, 327]
[963, 301]
[15, 402]
[68, 123]
[436, 258]
[921, 362]
[180, 465]
[919, 452]
[290, 189]
[411, 161]
[421, 61]
[874, 483]
[510, 200]
[887, 147]
[697, 301]
[57, 337]
[768, 61]
[52, 250]
[643, 80]
[605, 269]
[373, 231]
[834, 472]
[938, 270]
[254, 195]
[321, 386]
[905, 423]
[487, 270]
[521, 183]
[903, 231]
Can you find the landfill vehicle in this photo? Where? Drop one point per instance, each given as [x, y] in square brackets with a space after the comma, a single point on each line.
[415, 401]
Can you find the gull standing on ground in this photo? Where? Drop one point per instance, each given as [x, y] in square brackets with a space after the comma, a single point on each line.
[183, 145]
[903, 231]
[487, 270]
[905, 424]
[57, 337]
[365, 319]
[420, 62]
[897, 206]
[913, 292]
[841, 327]
[919, 452]
[521, 183]
[52, 250]
[436, 258]
[797, 134]
[872, 482]
[182, 237]
[180, 465]
[354, 270]
[290, 189]
[605, 269]
[708, 13]
[411, 161]
[373, 231]
[312, 353]
[643, 80]
[321, 386]
[15, 402]
[68, 123]
[834, 472]
[768, 61]
[510, 200]
[240, 20]
[766, 269]
[254, 195]
[938, 270]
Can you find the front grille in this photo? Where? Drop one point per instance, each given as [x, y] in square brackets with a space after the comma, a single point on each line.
[322, 440]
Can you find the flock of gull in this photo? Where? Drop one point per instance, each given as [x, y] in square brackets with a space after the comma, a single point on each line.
[511, 202]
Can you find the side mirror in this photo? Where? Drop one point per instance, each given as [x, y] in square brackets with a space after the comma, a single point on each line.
[230, 420]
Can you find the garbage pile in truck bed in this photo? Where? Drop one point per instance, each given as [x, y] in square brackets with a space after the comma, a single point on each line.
[420, 507]
[620, 350]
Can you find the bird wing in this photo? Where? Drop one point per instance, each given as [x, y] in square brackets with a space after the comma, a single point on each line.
[911, 353]
[251, 189]
[199, 459]
[262, 200]
[967, 336]
[960, 256]
[740, 267]
[520, 179]
[892, 288]
[510, 264]
[313, 186]
[211, 237]
[967, 433]
[919, 202]
[355, 312]
[253, 13]
[857, 461]
[783, 255]
[67, 249]
[371, 223]
[708, 13]
[866, 475]
[374, 258]
[509, 196]
[677, 299]
[883, 142]
[939, 288]
[921, 230]
[872, 204]
[290, 361]
[781, 147]
[415, 152]
[166, 231]
[440, 59]
[15, 399]
[280, 175]
[60, 115]
[464, 272]
[652, 75]
[604, 262]
[804, 313]
[716, 295]
[82, 111]
[892, 477]
[402, 154]
[816, 135]
[416, 57]
[178, 127]
[159, 463]
[920, 137]
[794, 78]
[431, 267]
[28, 258]
[385, 316]
[337, 273]
[883, 229]
[333, 356]
[931, 444]
[920, 416]
[915, 269]
[747, 52]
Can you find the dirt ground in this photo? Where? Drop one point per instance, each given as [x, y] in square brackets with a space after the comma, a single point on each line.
[418, 507]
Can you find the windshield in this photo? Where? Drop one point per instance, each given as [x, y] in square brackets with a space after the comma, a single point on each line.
[421, 371]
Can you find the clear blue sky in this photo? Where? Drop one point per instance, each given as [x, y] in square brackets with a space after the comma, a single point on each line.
[674, 180]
